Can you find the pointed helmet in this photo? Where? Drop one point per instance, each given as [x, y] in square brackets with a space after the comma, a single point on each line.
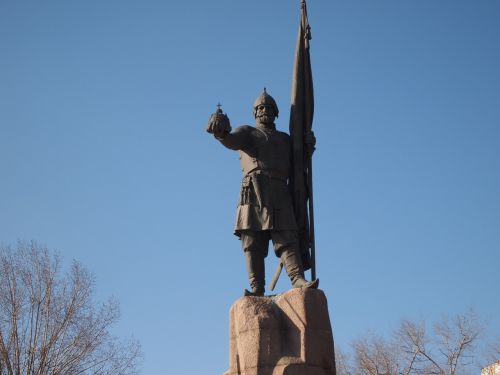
[267, 99]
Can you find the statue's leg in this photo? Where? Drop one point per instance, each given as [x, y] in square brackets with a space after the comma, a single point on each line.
[255, 245]
[286, 246]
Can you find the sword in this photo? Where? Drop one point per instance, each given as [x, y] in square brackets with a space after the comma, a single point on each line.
[276, 276]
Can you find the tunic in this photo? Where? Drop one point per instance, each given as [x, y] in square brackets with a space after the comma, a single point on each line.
[265, 201]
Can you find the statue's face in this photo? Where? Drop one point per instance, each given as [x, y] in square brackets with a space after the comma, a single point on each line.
[265, 114]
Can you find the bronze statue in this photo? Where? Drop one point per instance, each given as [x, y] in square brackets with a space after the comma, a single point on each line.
[265, 210]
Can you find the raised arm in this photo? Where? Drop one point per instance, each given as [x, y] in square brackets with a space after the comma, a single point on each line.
[240, 139]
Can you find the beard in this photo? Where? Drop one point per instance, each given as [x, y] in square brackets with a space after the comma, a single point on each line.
[266, 119]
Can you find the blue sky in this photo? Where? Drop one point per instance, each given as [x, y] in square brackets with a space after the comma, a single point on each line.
[104, 156]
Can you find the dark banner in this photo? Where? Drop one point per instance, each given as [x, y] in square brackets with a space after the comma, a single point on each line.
[301, 118]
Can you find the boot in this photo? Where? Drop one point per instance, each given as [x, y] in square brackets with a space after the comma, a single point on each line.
[256, 273]
[293, 266]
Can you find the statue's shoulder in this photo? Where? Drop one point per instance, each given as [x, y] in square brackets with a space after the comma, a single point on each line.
[249, 131]
[245, 129]
[283, 135]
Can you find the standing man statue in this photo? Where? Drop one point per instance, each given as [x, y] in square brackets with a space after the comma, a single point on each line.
[265, 210]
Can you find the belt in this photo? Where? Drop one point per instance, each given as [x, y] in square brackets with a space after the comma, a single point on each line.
[271, 174]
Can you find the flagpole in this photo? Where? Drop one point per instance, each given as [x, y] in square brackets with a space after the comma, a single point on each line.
[312, 240]
[301, 118]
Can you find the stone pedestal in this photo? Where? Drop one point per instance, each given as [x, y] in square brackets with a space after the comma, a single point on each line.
[286, 334]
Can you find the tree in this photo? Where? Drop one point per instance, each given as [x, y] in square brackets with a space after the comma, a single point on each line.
[343, 362]
[448, 350]
[49, 324]
[374, 356]
[493, 353]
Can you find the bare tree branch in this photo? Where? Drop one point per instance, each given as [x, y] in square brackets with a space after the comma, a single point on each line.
[49, 324]
[448, 350]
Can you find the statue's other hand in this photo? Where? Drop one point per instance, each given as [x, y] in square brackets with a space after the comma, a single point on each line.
[310, 141]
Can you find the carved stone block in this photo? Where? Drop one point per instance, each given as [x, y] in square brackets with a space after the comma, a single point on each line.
[286, 334]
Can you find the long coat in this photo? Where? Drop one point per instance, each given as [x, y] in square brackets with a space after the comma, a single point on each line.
[265, 201]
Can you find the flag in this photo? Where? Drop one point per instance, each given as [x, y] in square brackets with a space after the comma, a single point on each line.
[301, 118]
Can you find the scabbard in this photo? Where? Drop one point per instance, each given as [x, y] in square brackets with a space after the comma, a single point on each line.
[276, 276]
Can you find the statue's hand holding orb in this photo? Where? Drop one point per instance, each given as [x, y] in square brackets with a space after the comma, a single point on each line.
[219, 124]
